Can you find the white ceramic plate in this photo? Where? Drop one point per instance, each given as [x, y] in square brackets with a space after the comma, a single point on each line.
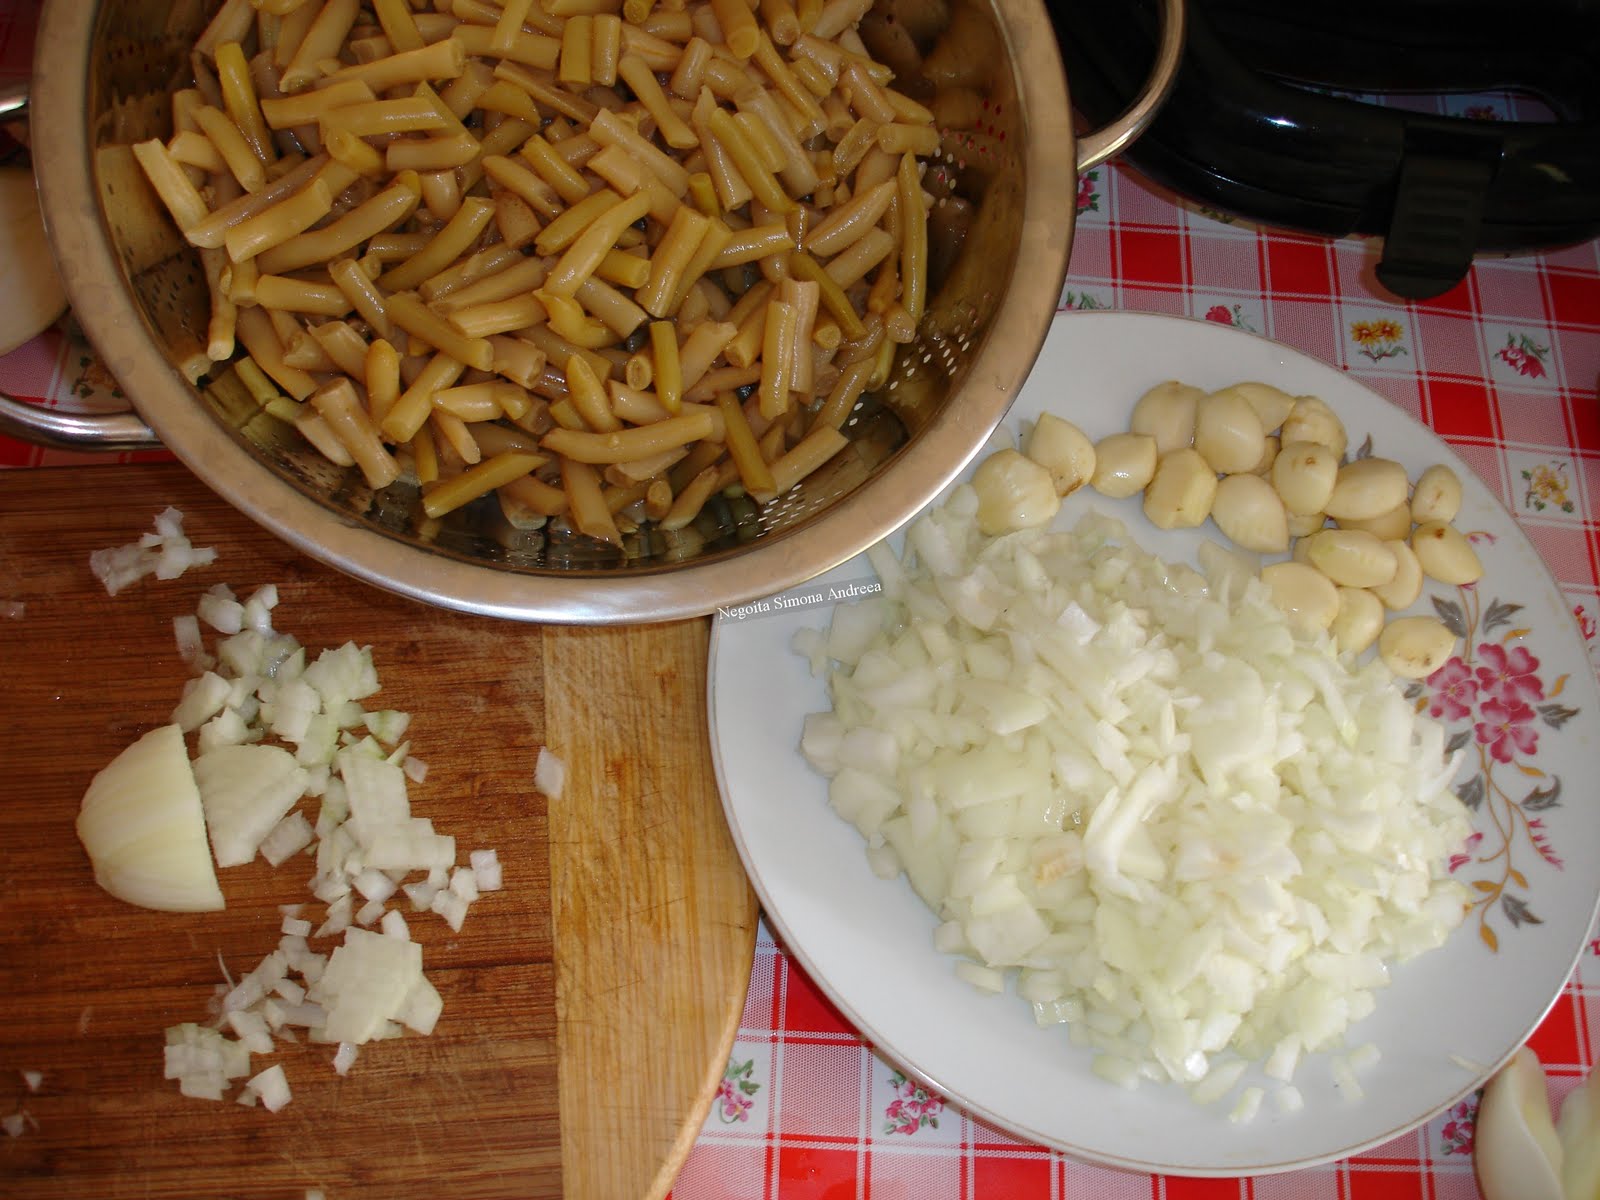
[1446, 1020]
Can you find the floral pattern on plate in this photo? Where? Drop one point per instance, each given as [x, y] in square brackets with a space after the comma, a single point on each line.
[1495, 699]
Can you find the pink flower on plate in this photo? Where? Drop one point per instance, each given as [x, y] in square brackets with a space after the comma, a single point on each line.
[1507, 729]
[1454, 690]
[1509, 675]
[1220, 314]
[1462, 857]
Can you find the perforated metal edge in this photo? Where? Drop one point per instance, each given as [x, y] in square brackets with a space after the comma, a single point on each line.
[96, 287]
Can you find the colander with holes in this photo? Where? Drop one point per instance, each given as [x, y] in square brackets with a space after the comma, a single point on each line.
[1001, 187]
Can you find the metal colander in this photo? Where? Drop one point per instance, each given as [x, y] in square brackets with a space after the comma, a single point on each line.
[103, 77]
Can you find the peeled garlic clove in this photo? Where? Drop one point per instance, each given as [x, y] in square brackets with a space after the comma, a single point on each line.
[1437, 496]
[1579, 1133]
[1351, 557]
[1358, 621]
[1269, 455]
[1248, 510]
[1306, 596]
[1166, 412]
[1063, 449]
[1515, 1148]
[1445, 553]
[1014, 492]
[1396, 523]
[1304, 474]
[1180, 493]
[1227, 432]
[1272, 405]
[1302, 524]
[1302, 551]
[1403, 589]
[1124, 464]
[1415, 647]
[1367, 488]
[1311, 420]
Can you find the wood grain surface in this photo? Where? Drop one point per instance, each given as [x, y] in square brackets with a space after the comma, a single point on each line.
[588, 1007]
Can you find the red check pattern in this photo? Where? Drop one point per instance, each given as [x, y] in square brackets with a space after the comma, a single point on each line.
[1504, 367]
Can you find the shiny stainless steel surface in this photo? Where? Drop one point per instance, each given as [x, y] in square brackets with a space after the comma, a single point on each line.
[102, 76]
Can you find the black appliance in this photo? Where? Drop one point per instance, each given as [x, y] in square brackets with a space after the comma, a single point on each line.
[1269, 119]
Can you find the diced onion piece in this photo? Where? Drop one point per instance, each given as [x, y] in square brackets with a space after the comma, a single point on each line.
[143, 825]
[345, 1057]
[32, 1079]
[203, 1061]
[203, 698]
[451, 907]
[166, 554]
[245, 791]
[250, 1028]
[286, 839]
[270, 1086]
[394, 925]
[1248, 1106]
[464, 883]
[549, 774]
[191, 645]
[368, 982]
[486, 868]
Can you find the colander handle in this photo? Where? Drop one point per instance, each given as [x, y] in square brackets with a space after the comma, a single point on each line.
[108, 432]
[1095, 148]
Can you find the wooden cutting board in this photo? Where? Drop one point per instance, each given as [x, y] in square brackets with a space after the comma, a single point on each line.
[589, 1007]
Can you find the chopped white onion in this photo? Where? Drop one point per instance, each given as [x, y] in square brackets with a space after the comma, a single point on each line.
[32, 1079]
[345, 1057]
[203, 1061]
[1248, 1106]
[203, 698]
[394, 925]
[270, 1086]
[388, 725]
[367, 983]
[451, 907]
[191, 645]
[286, 839]
[15, 1124]
[250, 1027]
[220, 611]
[166, 554]
[464, 883]
[549, 774]
[486, 867]
[245, 791]
[1105, 773]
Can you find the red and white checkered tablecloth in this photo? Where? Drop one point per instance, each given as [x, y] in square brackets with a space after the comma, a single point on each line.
[1504, 367]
